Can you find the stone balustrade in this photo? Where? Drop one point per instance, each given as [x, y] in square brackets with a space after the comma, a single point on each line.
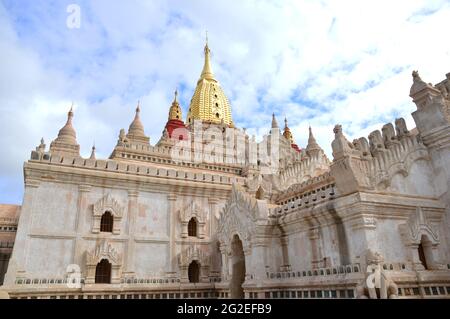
[295, 191]
[329, 271]
[305, 200]
[337, 270]
[124, 281]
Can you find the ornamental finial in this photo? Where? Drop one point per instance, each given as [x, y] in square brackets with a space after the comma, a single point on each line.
[138, 107]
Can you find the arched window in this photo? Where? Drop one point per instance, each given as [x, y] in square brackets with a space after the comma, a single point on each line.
[194, 271]
[106, 223]
[192, 227]
[103, 272]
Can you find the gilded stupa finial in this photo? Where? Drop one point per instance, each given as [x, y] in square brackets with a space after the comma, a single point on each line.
[209, 103]
[207, 70]
[287, 132]
[175, 109]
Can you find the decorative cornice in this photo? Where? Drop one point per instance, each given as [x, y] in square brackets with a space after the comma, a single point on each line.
[365, 222]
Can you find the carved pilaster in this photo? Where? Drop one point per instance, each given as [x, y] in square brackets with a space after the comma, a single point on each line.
[213, 215]
[132, 212]
[172, 198]
[314, 236]
[223, 252]
[83, 191]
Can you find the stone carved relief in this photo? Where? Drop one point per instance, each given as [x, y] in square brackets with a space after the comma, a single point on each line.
[190, 254]
[416, 226]
[193, 253]
[238, 217]
[103, 250]
[417, 231]
[376, 279]
[389, 136]
[264, 183]
[400, 128]
[376, 142]
[193, 210]
[107, 203]
[340, 145]
[362, 145]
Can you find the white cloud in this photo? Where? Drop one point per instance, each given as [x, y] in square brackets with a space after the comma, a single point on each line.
[317, 62]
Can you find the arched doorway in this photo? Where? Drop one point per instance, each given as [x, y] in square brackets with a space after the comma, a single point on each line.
[194, 271]
[238, 268]
[103, 272]
[425, 252]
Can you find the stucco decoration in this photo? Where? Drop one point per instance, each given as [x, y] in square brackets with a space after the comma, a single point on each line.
[416, 226]
[193, 210]
[238, 217]
[103, 250]
[107, 204]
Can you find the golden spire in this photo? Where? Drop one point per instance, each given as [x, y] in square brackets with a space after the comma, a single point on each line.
[175, 109]
[209, 103]
[207, 70]
[287, 132]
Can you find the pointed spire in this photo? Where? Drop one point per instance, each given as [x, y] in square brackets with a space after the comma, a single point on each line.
[92, 152]
[175, 109]
[311, 138]
[207, 70]
[287, 132]
[312, 148]
[67, 133]
[274, 121]
[138, 107]
[41, 147]
[66, 142]
[136, 128]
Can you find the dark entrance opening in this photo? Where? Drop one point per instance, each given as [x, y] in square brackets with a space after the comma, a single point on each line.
[106, 223]
[238, 270]
[194, 271]
[103, 272]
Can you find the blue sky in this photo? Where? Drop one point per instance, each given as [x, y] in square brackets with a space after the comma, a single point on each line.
[317, 62]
